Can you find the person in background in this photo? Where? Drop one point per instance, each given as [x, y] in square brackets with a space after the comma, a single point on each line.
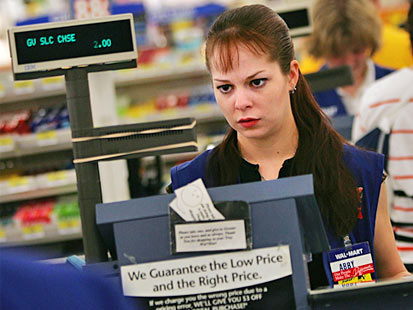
[386, 99]
[393, 53]
[346, 32]
[278, 130]
[28, 284]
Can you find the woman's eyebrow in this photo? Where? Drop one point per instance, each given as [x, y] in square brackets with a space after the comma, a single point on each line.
[248, 77]
[253, 75]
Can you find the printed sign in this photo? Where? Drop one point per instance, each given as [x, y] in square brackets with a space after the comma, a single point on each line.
[234, 233]
[69, 226]
[23, 87]
[46, 138]
[212, 236]
[247, 280]
[52, 83]
[2, 235]
[34, 231]
[6, 144]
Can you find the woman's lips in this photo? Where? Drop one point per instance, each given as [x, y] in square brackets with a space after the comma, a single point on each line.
[248, 122]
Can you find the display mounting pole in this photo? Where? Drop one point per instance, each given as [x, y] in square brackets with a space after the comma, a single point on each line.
[88, 179]
[74, 49]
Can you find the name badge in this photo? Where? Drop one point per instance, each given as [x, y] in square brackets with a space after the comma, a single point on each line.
[352, 265]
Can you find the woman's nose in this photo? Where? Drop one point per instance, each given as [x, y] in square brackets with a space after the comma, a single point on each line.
[242, 100]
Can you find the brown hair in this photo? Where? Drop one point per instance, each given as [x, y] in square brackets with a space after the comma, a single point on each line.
[341, 26]
[320, 147]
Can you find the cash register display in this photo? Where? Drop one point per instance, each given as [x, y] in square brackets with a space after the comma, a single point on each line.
[65, 44]
[75, 41]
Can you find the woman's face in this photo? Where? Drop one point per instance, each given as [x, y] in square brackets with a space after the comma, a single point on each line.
[254, 95]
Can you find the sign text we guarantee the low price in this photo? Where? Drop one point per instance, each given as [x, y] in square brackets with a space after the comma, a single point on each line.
[206, 274]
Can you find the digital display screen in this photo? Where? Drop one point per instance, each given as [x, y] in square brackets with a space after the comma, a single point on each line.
[85, 40]
[296, 19]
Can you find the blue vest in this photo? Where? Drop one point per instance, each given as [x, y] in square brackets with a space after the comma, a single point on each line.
[331, 102]
[367, 170]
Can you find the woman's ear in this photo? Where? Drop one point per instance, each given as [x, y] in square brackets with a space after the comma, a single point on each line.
[293, 74]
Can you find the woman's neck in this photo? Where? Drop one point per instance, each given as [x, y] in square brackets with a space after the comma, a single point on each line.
[271, 150]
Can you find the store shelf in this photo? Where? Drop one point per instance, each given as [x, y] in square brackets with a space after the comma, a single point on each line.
[130, 77]
[51, 237]
[202, 113]
[37, 150]
[148, 76]
[36, 143]
[32, 95]
[39, 193]
[27, 93]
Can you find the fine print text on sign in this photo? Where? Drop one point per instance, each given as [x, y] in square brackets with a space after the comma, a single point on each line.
[210, 236]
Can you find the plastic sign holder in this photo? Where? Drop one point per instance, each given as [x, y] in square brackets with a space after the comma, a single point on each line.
[73, 49]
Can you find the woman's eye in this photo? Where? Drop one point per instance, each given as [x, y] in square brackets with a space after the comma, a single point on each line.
[258, 82]
[224, 88]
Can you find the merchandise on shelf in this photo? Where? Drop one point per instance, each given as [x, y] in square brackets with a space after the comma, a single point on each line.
[33, 218]
[16, 123]
[172, 101]
[50, 119]
[32, 213]
[48, 219]
[66, 211]
[66, 215]
[198, 103]
[25, 131]
[81, 9]
[175, 36]
[26, 121]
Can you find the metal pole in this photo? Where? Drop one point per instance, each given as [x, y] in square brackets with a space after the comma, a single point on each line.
[88, 179]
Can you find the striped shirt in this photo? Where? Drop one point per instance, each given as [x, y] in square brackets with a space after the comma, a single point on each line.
[394, 91]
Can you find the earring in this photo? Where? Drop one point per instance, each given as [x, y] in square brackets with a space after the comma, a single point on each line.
[292, 92]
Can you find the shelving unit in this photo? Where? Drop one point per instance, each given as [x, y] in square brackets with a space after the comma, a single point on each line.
[32, 95]
[174, 74]
[142, 76]
[51, 237]
[123, 78]
[138, 85]
[35, 152]
[36, 143]
[39, 193]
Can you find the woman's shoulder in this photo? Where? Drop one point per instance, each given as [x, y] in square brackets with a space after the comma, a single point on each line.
[361, 161]
[189, 171]
[358, 154]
